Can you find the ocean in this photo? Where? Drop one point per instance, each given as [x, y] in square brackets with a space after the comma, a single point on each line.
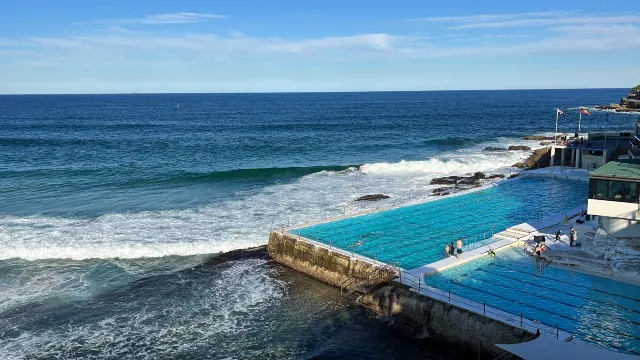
[123, 217]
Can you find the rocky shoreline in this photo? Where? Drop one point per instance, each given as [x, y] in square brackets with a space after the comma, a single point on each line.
[631, 103]
[539, 158]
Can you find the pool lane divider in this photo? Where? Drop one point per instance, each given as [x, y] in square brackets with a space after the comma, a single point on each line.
[561, 291]
[543, 309]
[567, 282]
[555, 300]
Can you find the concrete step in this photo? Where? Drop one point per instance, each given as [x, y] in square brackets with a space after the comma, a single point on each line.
[522, 232]
[509, 235]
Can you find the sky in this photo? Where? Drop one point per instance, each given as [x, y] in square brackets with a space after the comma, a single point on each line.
[118, 46]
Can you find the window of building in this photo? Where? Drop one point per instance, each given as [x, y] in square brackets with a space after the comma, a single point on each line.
[601, 189]
[629, 191]
[615, 190]
[612, 190]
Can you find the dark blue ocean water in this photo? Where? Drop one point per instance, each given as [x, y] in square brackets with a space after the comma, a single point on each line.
[107, 203]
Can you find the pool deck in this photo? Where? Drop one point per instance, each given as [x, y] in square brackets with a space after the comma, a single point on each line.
[504, 239]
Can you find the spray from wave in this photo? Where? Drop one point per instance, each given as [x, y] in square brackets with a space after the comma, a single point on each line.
[245, 220]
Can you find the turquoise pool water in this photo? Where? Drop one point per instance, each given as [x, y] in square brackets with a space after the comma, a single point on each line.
[415, 235]
[598, 310]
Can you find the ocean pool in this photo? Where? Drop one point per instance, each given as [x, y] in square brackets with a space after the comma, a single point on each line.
[595, 309]
[415, 235]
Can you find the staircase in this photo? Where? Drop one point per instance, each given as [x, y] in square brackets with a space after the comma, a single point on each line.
[363, 282]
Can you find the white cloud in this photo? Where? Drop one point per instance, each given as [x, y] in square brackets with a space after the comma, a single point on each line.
[552, 21]
[174, 18]
[126, 46]
[490, 17]
[530, 19]
[212, 43]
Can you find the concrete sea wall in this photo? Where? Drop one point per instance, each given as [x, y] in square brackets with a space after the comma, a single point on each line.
[429, 317]
[332, 266]
[411, 313]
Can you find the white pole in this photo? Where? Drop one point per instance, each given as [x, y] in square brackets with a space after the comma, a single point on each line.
[579, 119]
[555, 137]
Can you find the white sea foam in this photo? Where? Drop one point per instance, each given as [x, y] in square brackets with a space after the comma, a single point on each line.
[207, 312]
[244, 221]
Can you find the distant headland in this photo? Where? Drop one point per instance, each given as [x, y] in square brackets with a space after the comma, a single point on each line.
[630, 103]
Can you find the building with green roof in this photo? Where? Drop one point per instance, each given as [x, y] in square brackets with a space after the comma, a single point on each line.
[613, 195]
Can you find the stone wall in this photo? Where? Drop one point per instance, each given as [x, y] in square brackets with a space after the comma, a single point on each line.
[332, 267]
[442, 321]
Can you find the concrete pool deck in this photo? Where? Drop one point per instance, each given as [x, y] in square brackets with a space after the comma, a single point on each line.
[504, 239]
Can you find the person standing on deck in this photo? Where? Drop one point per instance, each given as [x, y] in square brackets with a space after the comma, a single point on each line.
[459, 250]
[573, 236]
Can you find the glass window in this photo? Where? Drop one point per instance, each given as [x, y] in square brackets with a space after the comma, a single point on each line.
[615, 190]
[629, 192]
[601, 189]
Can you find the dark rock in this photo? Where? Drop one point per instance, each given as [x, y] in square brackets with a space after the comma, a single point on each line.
[468, 181]
[513, 176]
[259, 252]
[631, 103]
[493, 148]
[545, 143]
[442, 190]
[519, 165]
[519, 148]
[448, 180]
[373, 197]
[478, 175]
[495, 176]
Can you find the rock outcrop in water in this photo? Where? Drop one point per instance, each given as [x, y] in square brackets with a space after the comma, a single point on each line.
[457, 183]
[519, 148]
[374, 197]
[448, 180]
[493, 148]
[631, 103]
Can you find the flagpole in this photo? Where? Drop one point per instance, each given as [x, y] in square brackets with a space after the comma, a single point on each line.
[556, 134]
[579, 119]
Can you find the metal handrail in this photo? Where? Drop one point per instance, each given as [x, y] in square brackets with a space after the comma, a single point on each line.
[525, 324]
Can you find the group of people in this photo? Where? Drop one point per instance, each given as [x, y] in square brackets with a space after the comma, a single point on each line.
[573, 236]
[452, 250]
[564, 139]
[542, 246]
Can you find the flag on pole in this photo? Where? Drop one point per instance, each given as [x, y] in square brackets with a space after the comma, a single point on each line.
[584, 111]
[560, 112]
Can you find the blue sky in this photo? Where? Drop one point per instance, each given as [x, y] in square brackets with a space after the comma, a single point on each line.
[263, 46]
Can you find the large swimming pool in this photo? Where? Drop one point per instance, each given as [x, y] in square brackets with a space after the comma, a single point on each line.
[598, 310]
[415, 235]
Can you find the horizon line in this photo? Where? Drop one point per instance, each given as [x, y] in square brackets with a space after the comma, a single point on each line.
[304, 92]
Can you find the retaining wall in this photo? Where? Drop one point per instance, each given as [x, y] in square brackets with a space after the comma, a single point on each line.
[331, 266]
[442, 321]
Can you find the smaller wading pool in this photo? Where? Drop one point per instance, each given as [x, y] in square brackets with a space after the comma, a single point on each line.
[415, 235]
[595, 309]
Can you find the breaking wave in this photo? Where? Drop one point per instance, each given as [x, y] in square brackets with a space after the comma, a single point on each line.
[244, 220]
